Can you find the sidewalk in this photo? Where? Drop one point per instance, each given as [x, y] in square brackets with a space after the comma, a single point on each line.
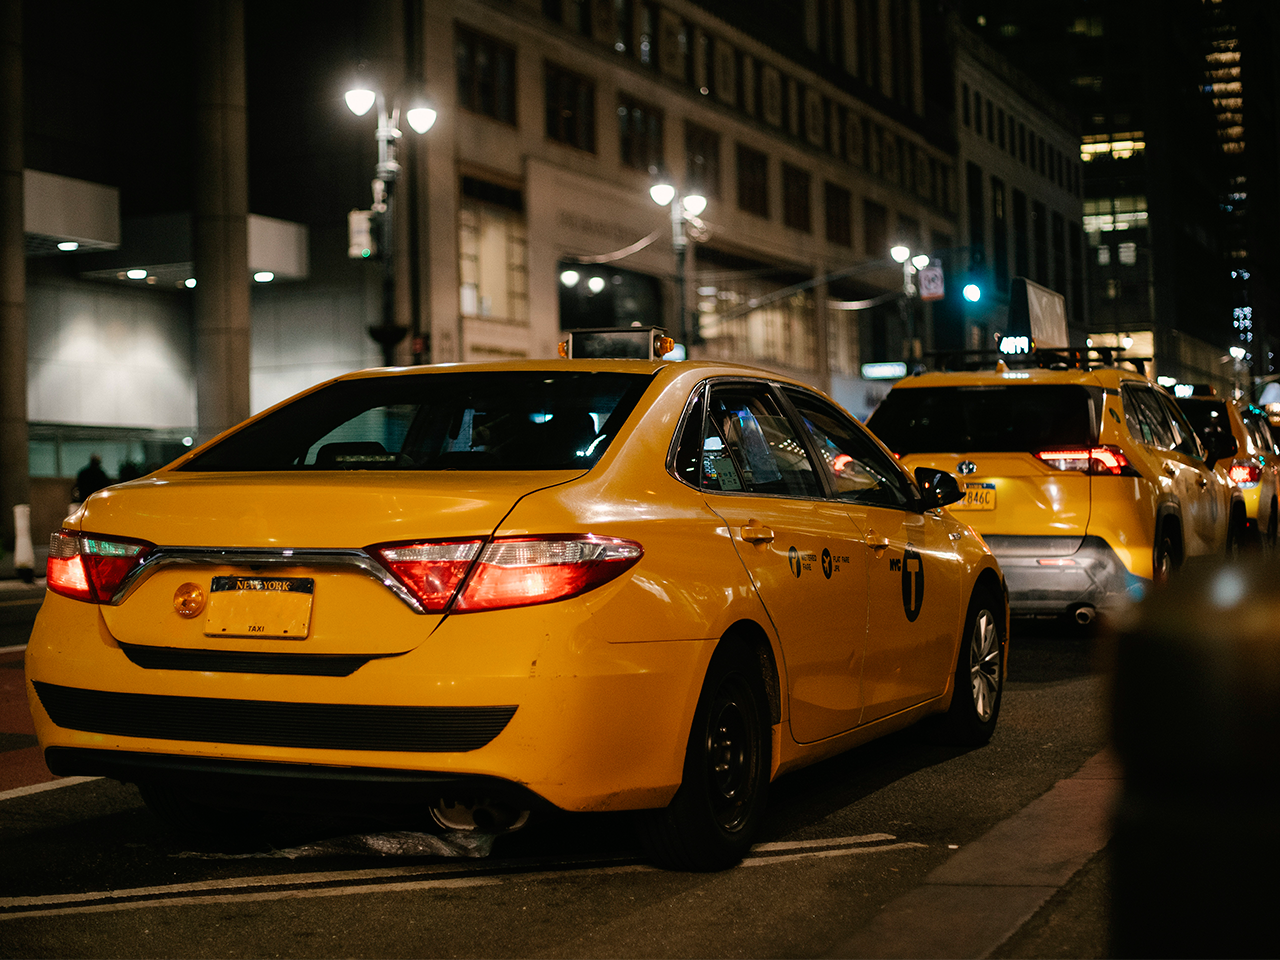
[9, 575]
[1035, 885]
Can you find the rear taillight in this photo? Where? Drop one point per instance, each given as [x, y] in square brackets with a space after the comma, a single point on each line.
[508, 571]
[90, 568]
[1104, 460]
[1244, 474]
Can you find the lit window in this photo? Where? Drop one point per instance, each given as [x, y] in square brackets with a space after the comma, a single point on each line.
[1128, 253]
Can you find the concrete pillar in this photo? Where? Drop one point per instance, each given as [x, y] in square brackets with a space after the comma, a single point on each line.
[15, 484]
[220, 232]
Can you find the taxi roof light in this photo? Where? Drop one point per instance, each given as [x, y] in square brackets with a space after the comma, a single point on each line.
[622, 343]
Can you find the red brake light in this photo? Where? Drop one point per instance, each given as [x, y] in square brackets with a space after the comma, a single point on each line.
[515, 572]
[91, 568]
[1103, 460]
[430, 571]
[1244, 474]
[507, 572]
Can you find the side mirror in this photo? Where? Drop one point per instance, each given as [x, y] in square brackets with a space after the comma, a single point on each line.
[1220, 445]
[937, 488]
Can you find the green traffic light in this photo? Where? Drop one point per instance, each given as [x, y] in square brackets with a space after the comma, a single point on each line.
[972, 292]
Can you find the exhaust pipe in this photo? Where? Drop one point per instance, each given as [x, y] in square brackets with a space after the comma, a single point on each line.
[478, 816]
[1085, 614]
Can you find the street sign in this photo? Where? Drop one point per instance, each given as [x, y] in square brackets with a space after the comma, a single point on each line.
[930, 280]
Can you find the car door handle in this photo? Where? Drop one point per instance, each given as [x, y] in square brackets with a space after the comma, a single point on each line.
[876, 542]
[1204, 481]
[1170, 471]
[753, 531]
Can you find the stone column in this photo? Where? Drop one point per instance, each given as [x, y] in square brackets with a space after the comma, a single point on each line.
[15, 484]
[220, 231]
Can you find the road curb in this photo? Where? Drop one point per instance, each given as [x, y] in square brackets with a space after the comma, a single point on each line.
[983, 895]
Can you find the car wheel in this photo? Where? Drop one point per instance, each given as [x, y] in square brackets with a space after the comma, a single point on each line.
[1166, 559]
[979, 678]
[1237, 538]
[714, 816]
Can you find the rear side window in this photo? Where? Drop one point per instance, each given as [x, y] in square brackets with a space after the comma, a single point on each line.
[1206, 417]
[747, 445]
[1000, 418]
[526, 420]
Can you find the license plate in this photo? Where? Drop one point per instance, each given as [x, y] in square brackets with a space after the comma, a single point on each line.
[277, 608]
[977, 496]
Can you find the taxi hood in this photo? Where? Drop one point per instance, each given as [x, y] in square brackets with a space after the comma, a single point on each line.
[346, 509]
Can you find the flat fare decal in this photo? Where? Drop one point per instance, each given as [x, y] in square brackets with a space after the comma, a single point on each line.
[911, 566]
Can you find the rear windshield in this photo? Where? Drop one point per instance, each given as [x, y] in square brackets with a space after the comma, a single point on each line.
[993, 419]
[527, 420]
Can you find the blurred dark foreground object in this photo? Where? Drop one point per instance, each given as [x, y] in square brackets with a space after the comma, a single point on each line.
[1196, 724]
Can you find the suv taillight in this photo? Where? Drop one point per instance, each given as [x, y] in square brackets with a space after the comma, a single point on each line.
[1244, 474]
[91, 568]
[1102, 460]
[506, 572]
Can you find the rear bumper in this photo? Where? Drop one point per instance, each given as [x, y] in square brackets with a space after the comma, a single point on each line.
[1056, 575]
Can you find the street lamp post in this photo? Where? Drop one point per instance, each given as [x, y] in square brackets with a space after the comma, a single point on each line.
[421, 117]
[683, 208]
[910, 266]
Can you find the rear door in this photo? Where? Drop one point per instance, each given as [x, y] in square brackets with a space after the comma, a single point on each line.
[804, 556]
[1185, 480]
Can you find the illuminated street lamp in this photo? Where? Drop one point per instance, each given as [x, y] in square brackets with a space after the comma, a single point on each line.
[360, 100]
[684, 209]
[910, 266]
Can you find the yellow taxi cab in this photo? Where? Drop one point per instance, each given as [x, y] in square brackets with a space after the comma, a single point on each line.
[1083, 477]
[489, 589]
[1253, 469]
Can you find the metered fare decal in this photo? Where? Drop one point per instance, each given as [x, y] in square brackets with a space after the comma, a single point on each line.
[801, 562]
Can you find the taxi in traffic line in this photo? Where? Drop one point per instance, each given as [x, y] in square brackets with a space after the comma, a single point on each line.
[1255, 468]
[490, 589]
[1083, 476]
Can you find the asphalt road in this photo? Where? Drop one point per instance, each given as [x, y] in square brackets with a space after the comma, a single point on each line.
[861, 854]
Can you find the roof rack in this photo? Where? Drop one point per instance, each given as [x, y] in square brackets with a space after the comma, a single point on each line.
[1045, 358]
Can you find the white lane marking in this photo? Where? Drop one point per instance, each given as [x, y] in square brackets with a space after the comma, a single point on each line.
[840, 852]
[249, 897]
[295, 886]
[834, 841]
[42, 787]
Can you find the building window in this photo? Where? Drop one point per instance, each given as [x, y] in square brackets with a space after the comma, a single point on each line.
[796, 206]
[1039, 232]
[1000, 126]
[493, 253]
[875, 229]
[571, 108]
[639, 134]
[486, 75]
[991, 121]
[702, 157]
[1021, 241]
[753, 181]
[977, 112]
[977, 212]
[838, 207]
[1058, 228]
[964, 105]
[999, 235]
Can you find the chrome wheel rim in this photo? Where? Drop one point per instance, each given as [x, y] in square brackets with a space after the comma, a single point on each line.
[984, 664]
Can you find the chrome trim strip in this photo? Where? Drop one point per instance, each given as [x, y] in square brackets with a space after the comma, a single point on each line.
[355, 560]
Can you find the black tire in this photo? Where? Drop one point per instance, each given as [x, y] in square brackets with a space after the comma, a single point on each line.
[1237, 536]
[714, 817]
[1166, 556]
[979, 678]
